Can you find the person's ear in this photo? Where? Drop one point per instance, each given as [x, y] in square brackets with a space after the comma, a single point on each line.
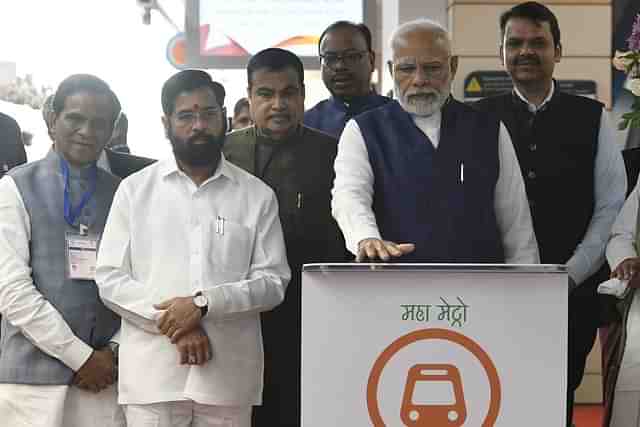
[453, 61]
[167, 126]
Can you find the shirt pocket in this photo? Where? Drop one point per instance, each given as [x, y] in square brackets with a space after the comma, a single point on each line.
[231, 248]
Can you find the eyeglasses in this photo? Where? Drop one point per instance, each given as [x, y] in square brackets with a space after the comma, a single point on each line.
[349, 58]
[430, 70]
[188, 118]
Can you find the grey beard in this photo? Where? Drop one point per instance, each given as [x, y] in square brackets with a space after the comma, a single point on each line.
[421, 107]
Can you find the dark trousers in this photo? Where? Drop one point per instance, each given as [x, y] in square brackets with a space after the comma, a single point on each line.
[585, 317]
[280, 397]
[281, 340]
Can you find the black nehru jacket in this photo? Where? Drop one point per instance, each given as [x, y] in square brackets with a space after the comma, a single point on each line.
[124, 164]
[12, 151]
[556, 148]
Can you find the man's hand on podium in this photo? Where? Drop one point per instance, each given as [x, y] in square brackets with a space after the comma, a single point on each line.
[376, 249]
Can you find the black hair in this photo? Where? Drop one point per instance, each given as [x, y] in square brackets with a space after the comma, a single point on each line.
[361, 28]
[123, 122]
[187, 81]
[535, 12]
[274, 59]
[242, 103]
[83, 83]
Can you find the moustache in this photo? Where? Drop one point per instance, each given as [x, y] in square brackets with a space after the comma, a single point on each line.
[201, 135]
[422, 94]
[526, 60]
[280, 116]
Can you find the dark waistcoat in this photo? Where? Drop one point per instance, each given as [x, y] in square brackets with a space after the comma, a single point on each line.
[556, 148]
[440, 199]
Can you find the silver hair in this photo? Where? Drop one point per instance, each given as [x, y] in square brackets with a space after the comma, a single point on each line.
[421, 24]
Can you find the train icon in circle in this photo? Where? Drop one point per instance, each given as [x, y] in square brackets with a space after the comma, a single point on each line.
[433, 397]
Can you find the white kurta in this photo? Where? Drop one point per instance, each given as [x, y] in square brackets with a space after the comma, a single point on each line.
[165, 237]
[622, 245]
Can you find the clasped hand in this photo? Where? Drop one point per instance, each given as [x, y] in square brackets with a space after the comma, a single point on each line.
[97, 373]
[180, 322]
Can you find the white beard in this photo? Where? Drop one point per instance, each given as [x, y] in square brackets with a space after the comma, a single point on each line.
[422, 106]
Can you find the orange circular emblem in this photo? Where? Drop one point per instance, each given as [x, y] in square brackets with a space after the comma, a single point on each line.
[412, 417]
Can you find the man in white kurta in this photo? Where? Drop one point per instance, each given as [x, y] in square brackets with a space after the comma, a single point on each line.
[624, 260]
[58, 356]
[183, 229]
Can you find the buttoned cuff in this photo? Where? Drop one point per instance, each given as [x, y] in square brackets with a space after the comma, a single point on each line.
[76, 354]
[217, 302]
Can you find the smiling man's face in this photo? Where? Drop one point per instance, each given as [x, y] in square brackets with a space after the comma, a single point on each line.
[528, 51]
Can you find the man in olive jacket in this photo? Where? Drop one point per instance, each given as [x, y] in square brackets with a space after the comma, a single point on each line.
[297, 163]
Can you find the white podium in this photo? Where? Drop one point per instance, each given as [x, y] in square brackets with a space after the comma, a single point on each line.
[434, 345]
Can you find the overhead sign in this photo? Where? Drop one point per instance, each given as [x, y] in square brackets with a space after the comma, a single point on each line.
[482, 84]
[224, 34]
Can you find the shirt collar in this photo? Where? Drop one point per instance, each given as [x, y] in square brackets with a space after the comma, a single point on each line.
[532, 108]
[169, 167]
[431, 122]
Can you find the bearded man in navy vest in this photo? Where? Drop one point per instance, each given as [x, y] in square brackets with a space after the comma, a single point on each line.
[426, 178]
[574, 173]
[58, 360]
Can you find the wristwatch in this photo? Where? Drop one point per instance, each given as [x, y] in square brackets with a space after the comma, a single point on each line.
[202, 302]
[115, 349]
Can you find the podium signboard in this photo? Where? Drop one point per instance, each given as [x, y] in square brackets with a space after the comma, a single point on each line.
[434, 345]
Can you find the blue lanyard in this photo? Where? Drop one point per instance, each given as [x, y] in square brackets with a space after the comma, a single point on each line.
[71, 213]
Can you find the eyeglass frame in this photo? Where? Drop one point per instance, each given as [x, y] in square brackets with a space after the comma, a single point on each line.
[343, 57]
[207, 115]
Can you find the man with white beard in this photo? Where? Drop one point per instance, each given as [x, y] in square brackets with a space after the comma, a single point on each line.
[427, 178]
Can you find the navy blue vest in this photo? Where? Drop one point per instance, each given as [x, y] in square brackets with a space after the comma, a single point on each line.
[419, 196]
[331, 115]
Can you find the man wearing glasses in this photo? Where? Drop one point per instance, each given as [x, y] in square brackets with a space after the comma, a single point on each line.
[427, 178]
[191, 254]
[346, 61]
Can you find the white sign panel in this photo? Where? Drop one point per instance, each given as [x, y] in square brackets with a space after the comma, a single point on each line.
[244, 27]
[447, 346]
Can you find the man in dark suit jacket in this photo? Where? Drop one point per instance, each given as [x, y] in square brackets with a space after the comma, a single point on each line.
[122, 164]
[297, 163]
[12, 151]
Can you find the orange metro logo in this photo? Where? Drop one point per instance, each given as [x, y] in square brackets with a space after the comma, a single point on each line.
[442, 378]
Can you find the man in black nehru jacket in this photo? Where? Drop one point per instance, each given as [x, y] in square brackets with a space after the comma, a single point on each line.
[573, 171]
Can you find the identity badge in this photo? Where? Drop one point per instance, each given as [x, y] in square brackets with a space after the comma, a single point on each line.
[82, 255]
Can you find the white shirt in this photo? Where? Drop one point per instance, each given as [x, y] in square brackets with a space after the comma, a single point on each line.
[610, 187]
[21, 303]
[165, 237]
[353, 193]
[624, 231]
[620, 247]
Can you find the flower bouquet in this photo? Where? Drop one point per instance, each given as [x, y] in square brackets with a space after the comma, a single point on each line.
[629, 62]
